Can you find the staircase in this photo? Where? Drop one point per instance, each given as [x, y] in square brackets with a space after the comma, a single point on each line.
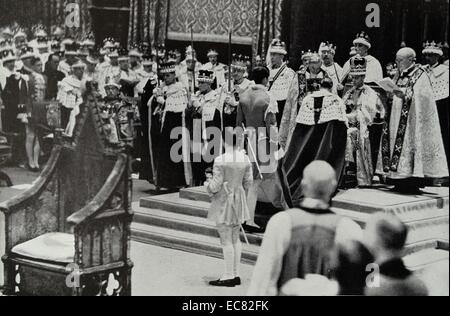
[178, 221]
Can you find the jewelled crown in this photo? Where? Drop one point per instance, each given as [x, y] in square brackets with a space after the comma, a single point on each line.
[327, 47]
[239, 62]
[307, 55]
[432, 48]
[206, 76]
[213, 53]
[358, 66]
[278, 47]
[362, 38]
[168, 67]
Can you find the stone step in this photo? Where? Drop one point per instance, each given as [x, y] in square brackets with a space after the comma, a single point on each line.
[366, 200]
[174, 203]
[195, 194]
[418, 239]
[179, 221]
[185, 223]
[424, 224]
[358, 217]
[425, 258]
[384, 200]
[197, 235]
[431, 244]
[421, 229]
[434, 203]
[184, 241]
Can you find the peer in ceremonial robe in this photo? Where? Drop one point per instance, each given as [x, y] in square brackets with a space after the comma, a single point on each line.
[327, 52]
[168, 105]
[148, 135]
[439, 76]
[217, 68]
[362, 105]
[283, 85]
[229, 100]
[320, 134]
[204, 122]
[362, 44]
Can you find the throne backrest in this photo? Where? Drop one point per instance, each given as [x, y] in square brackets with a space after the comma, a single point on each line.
[84, 166]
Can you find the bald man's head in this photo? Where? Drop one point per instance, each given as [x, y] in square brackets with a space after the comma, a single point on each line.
[407, 52]
[406, 56]
[319, 181]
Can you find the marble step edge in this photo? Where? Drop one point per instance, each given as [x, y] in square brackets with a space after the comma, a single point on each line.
[421, 260]
[200, 209]
[173, 239]
[173, 203]
[202, 226]
[439, 202]
[186, 223]
[195, 194]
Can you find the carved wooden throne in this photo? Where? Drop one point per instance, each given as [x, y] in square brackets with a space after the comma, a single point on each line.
[70, 233]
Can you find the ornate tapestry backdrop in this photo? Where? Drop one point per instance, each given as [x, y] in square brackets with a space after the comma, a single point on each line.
[148, 21]
[211, 20]
[48, 12]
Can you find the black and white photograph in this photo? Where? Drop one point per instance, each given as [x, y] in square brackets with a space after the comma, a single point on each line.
[212, 149]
